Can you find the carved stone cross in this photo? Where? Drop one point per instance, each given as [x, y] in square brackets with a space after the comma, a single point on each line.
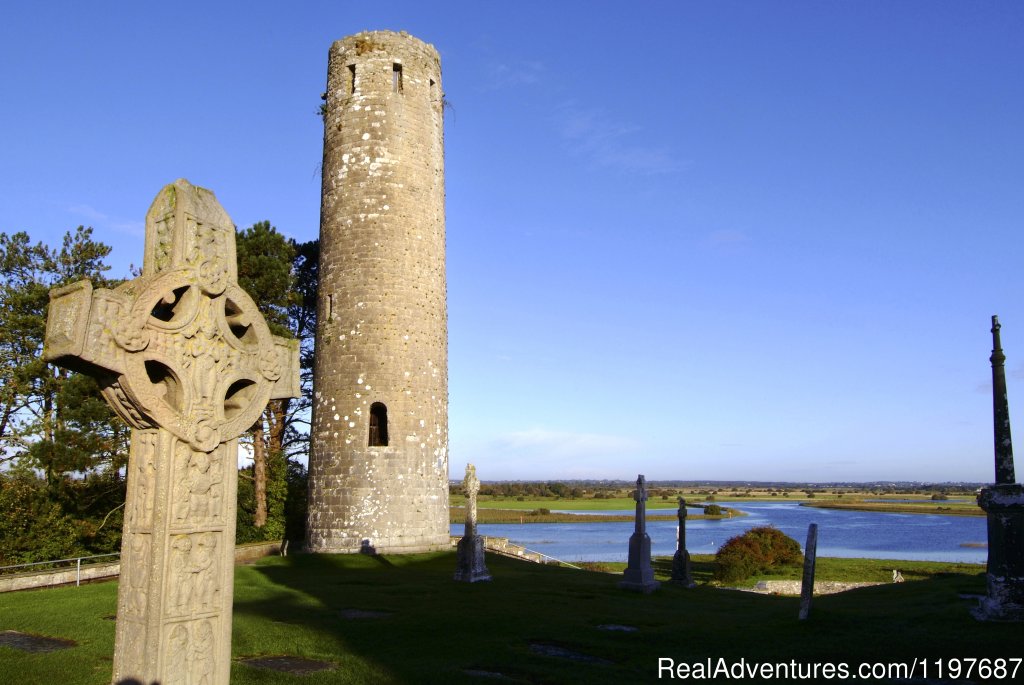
[639, 574]
[470, 565]
[640, 495]
[183, 355]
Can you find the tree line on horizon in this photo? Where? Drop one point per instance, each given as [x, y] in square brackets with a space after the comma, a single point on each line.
[63, 452]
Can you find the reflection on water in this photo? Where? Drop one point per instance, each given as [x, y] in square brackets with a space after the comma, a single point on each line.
[841, 533]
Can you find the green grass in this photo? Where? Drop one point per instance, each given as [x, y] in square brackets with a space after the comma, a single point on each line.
[826, 568]
[440, 628]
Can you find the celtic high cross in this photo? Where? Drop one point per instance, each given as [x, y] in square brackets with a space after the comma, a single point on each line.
[182, 355]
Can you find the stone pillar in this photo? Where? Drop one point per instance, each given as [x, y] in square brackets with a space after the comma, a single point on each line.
[639, 574]
[681, 572]
[810, 559]
[378, 468]
[1003, 503]
[470, 565]
[184, 356]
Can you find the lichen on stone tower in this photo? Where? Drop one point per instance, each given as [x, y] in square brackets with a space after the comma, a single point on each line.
[378, 468]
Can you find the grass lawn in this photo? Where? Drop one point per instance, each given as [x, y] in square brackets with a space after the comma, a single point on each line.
[438, 630]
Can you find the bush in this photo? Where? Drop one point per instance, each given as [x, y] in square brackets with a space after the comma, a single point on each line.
[756, 551]
[712, 510]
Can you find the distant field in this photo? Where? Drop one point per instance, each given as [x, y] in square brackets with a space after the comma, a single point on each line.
[491, 515]
[581, 504]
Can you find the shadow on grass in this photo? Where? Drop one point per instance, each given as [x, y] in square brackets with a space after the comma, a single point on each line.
[421, 626]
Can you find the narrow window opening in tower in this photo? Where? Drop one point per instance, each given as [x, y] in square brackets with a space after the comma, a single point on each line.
[433, 90]
[378, 425]
[396, 78]
[352, 79]
[330, 308]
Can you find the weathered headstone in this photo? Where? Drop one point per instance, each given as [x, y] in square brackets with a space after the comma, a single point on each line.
[639, 574]
[681, 573]
[470, 566]
[182, 355]
[1003, 503]
[810, 558]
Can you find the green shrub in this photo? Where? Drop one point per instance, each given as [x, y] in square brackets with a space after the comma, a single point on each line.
[713, 510]
[756, 551]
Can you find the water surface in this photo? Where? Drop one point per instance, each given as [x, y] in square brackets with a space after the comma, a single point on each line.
[841, 533]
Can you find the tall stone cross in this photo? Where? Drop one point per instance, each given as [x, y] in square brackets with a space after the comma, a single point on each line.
[639, 574]
[183, 355]
[470, 565]
[681, 571]
[640, 495]
[1003, 503]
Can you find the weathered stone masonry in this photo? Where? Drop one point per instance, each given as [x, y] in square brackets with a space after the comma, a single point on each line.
[379, 461]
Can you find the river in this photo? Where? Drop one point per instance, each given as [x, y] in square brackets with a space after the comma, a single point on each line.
[841, 533]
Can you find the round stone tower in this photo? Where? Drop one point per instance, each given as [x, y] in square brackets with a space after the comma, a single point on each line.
[378, 468]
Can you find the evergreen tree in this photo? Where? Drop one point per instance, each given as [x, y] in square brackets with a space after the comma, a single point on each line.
[52, 422]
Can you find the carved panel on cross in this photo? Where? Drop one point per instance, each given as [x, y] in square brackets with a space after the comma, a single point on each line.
[194, 577]
[197, 479]
[189, 652]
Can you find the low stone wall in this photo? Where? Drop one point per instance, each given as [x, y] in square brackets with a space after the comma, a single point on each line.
[64, 576]
[251, 551]
[821, 587]
[509, 549]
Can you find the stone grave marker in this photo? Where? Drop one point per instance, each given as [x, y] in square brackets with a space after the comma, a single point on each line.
[639, 574]
[470, 565]
[681, 572]
[1003, 503]
[810, 558]
[184, 357]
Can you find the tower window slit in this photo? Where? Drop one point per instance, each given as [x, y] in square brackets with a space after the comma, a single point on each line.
[351, 78]
[378, 425]
[396, 78]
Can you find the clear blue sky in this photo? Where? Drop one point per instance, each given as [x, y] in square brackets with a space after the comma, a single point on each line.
[698, 240]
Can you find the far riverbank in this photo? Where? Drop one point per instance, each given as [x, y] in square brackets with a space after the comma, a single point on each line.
[924, 507]
[457, 514]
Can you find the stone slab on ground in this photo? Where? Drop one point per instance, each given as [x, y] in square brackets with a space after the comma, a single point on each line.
[821, 587]
[294, 665]
[617, 628]
[559, 652]
[33, 643]
[490, 675]
[364, 613]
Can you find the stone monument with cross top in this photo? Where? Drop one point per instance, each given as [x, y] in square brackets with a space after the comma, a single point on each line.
[639, 574]
[470, 565]
[185, 358]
